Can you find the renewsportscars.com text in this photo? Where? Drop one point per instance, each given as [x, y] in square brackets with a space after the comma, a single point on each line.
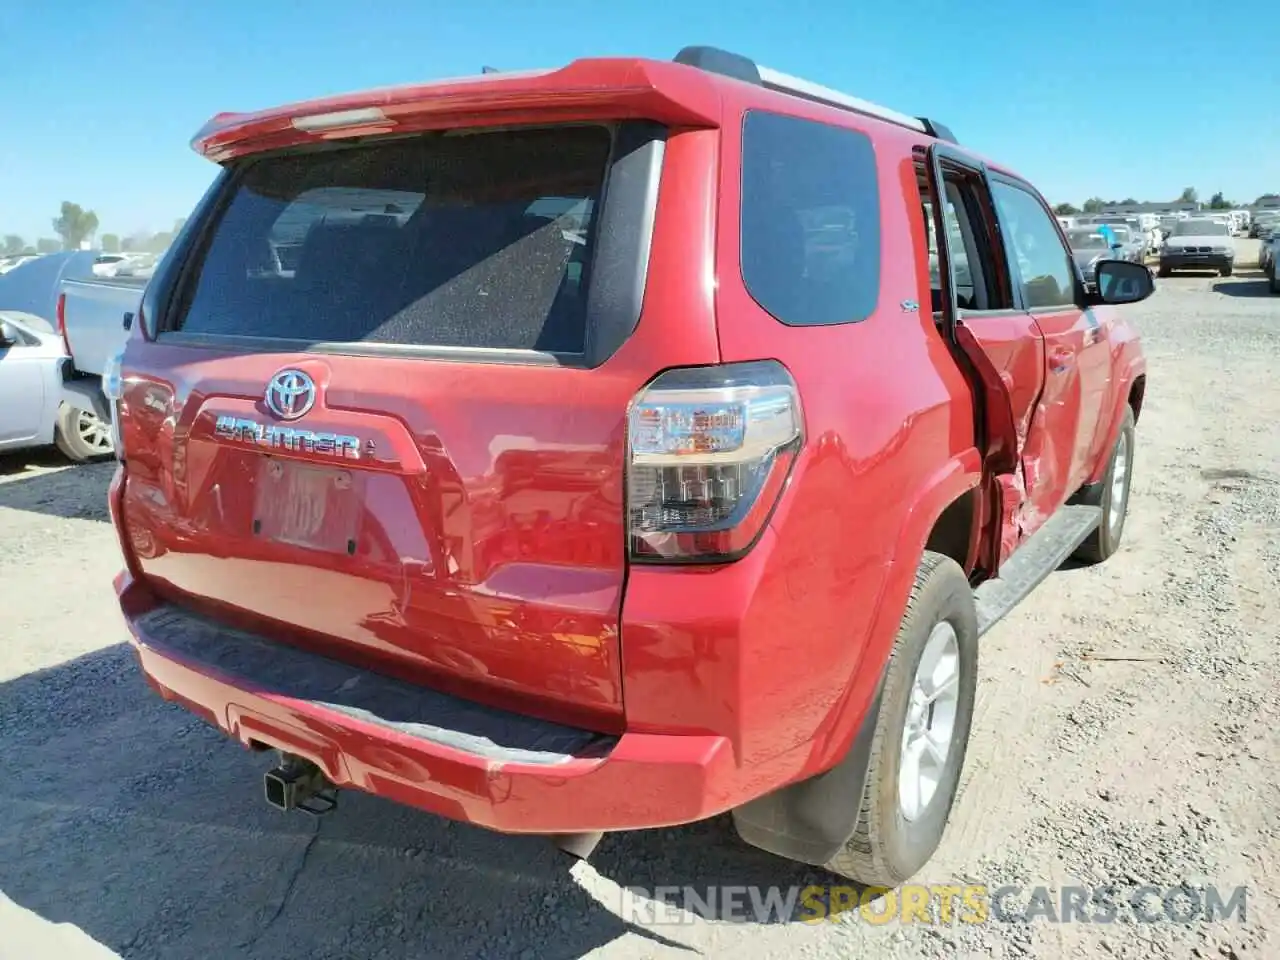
[942, 904]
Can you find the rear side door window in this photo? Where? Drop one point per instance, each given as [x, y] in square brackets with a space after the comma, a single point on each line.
[1039, 260]
[980, 283]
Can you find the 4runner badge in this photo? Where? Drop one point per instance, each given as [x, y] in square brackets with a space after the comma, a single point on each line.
[289, 395]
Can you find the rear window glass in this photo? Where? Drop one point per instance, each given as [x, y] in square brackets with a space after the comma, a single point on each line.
[463, 240]
[810, 243]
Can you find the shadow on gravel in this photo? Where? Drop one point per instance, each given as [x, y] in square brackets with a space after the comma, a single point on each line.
[706, 854]
[78, 492]
[135, 822]
[14, 463]
[1244, 288]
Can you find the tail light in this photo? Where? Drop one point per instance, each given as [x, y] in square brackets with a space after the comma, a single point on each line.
[710, 449]
[61, 315]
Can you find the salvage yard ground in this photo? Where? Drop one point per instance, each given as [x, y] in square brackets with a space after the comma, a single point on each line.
[1128, 731]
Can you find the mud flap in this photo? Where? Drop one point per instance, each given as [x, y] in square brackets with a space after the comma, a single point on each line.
[811, 821]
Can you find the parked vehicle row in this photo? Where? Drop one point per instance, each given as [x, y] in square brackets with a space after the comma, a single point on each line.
[125, 264]
[1158, 227]
[1269, 255]
[15, 260]
[1141, 231]
[1267, 226]
[1263, 220]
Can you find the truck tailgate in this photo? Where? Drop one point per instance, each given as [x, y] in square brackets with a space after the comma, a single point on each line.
[93, 313]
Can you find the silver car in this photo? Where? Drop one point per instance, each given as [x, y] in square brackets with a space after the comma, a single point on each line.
[1198, 244]
[33, 411]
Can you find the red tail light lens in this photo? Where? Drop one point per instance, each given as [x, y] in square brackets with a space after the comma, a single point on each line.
[62, 323]
[710, 449]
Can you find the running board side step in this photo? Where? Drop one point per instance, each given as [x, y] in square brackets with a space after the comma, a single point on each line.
[1027, 567]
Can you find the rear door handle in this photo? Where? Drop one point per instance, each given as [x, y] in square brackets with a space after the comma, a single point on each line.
[1061, 359]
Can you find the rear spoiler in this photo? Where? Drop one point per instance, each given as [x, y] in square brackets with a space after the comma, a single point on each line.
[613, 89]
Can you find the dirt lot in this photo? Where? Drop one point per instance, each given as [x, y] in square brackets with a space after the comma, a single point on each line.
[1126, 733]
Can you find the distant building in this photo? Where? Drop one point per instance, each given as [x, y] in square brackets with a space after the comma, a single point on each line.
[1177, 206]
[1268, 203]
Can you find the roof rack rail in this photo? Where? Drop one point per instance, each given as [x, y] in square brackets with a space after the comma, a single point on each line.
[725, 63]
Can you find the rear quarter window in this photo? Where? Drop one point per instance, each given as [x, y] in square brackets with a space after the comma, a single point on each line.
[475, 239]
[810, 235]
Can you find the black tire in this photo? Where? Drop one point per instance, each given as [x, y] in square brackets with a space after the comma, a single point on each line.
[1105, 541]
[887, 848]
[1165, 272]
[1275, 281]
[71, 439]
[1225, 271]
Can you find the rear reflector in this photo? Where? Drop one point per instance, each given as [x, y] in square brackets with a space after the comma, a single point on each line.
[710, 449]
[61, 316]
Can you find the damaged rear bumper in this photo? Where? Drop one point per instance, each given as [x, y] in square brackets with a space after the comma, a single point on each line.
[420, 747]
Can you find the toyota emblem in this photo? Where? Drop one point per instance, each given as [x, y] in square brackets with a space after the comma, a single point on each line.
[290, 394]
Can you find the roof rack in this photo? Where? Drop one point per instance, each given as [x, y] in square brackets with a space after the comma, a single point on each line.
[715, 60]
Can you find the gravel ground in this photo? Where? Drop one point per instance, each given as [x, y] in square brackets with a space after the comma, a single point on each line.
[1126, 733]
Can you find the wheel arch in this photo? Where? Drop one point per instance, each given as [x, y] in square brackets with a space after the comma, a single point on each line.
[1137, 391]
[1130, 393]
[952, 534]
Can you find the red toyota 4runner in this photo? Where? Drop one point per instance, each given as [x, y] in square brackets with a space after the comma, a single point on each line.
[613, 447]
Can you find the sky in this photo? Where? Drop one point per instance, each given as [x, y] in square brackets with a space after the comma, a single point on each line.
[98, 101]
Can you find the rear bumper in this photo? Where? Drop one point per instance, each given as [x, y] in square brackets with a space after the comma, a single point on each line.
[419, 747]
[84, 392]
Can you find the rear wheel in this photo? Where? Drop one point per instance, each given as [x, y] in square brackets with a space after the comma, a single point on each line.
[1275, 281]
[1165, 271]
[1225, 271]
[921, 733]
[81, 436]
[1112, 495]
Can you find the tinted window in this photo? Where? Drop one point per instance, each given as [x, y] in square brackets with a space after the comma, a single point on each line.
[476, 240]
[962, 272]
[810, 242]
[1042, 264]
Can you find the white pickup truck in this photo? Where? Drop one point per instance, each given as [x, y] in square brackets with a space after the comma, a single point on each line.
[94, 317]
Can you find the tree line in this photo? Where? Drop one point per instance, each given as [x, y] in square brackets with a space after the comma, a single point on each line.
[1188, 195]
[74, 225]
